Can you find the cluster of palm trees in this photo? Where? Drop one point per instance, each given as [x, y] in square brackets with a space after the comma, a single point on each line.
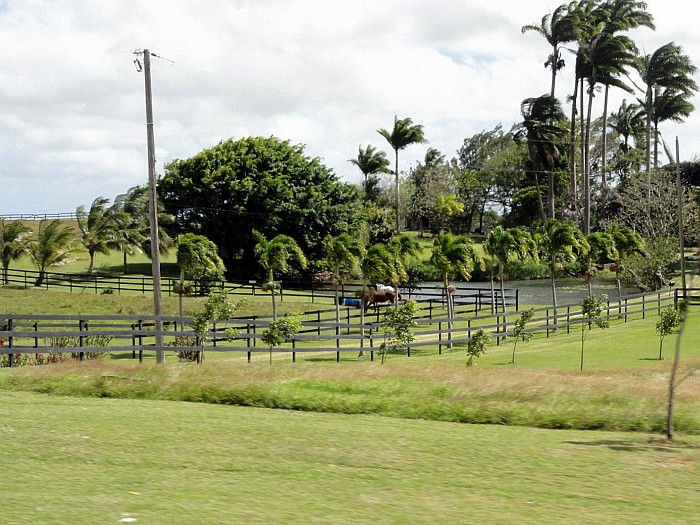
[123, 226]
[596, 32]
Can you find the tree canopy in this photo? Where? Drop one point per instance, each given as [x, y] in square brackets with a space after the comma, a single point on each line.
[266, 184]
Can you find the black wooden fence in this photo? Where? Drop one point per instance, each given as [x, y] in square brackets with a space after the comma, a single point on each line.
[134, 335]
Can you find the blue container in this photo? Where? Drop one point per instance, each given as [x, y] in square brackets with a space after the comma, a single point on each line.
[349, 301]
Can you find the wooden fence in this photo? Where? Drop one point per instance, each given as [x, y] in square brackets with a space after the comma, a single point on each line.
[133, 335]
[465, 297]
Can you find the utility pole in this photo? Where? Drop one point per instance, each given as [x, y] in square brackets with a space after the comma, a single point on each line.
[153, 211]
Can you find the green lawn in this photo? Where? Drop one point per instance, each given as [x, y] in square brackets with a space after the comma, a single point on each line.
[86, 460]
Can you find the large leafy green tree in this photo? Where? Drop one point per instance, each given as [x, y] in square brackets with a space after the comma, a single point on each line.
[404, 134]
[371, 162]
[275, 255]
[626, 242]
[52, 244]
[99, 229]
[266, 184]
[14, 242]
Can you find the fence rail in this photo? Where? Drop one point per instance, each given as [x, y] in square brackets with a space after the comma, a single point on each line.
[76, 334]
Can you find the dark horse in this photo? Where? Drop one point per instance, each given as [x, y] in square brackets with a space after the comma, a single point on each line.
[373, 297]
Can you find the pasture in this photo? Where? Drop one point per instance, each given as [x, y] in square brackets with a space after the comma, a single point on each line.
[90, 460]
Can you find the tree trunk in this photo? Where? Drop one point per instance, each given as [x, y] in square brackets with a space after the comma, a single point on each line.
[572, 151]
[398, 199]
[92, 263]
[584, 187]
[554, 292]
[604, 164]
[647, 168]
[587, 167]
[503, 295]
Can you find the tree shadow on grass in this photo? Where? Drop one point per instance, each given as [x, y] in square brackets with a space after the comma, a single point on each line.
[654, 445]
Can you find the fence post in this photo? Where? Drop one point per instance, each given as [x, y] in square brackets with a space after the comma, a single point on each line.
[498, 329]
[625, 309]
[568, 319]
[658, 302]
[371, 344]
[546, 312]
[81, 325]
[10, 356]
[644, 296]
[140, 341]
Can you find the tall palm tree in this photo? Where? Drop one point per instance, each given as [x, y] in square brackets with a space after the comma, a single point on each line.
[668, 105]
[53, 244]
[404, 134]
[557, 28]
[559, 242]
[543, 132]
[371, 162]
[133, 222]
[504, 245]
[14, 242]
[453, 255]
[98, 228]
[275, 255]
[668, 68]
[342, 255]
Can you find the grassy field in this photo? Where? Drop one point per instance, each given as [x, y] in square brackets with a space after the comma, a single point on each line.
[86, 460]
[351, 442]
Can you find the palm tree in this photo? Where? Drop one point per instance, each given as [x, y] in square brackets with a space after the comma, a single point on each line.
[404, 134]
[453, 255]
[134, 224]
[626, 242]
[98, 228]
[376, 264]
[668, 105]
[274, 256]
[600, 247]
[668, 68]
[542, 130]
[557, 28]
[342, 255]
[559, 242]
[403, 247]
[371, 162]
[51, 245]
[504, 245]
[14, 242]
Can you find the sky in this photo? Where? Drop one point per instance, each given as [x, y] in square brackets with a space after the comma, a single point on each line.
[325, 74]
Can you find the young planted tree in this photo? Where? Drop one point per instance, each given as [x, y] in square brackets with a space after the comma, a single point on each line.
[403, 134]
[280, 331]
[51, 245]
[592, 312]
[217, 308]
[477, 345]
[669, 323]
[397, 327]
[519, 329]
[275, 255]
[14, 242]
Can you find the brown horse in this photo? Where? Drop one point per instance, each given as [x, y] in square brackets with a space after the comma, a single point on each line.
[373, 297]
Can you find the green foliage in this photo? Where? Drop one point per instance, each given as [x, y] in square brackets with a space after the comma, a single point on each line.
[258, 183]
[652, 268]
[217, 308]
[519, 329]
[281, 331]
[670, 321]
[14, 242]
[397, 328]
[477, 345]
[51, 245]
[592, 313]
[99, 228]
[198, 258]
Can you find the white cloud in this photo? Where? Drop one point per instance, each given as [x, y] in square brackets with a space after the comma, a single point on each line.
[324, 74]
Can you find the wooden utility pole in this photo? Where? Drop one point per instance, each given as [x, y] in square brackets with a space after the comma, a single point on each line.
[153, 211]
